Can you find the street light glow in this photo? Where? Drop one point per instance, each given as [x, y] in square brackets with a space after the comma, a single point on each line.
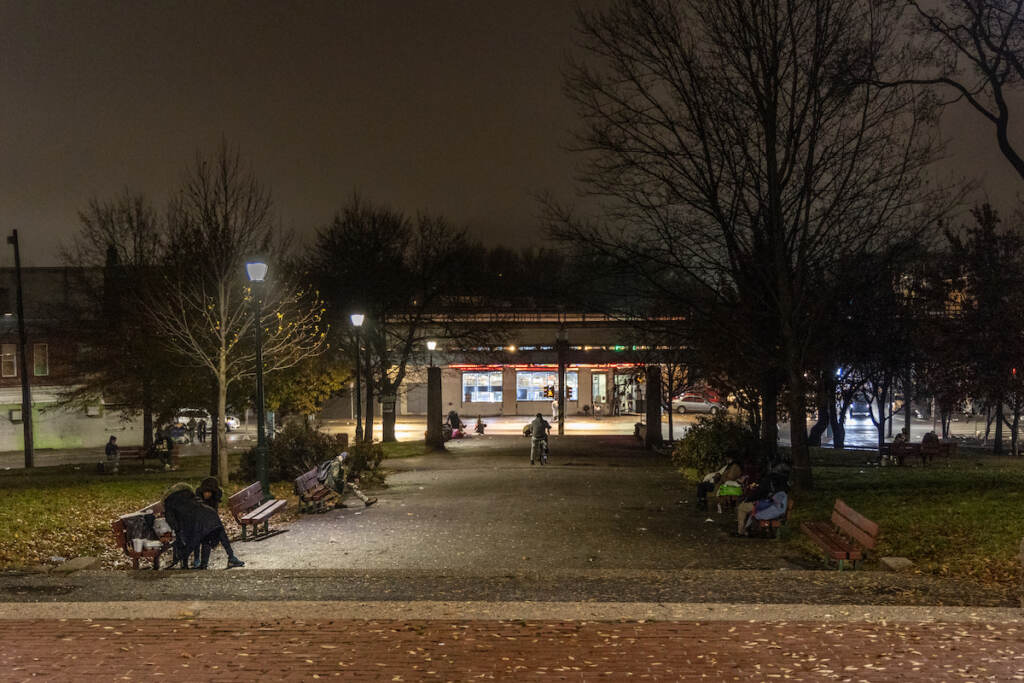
[357, 319]
[431, 345]
[257, 271]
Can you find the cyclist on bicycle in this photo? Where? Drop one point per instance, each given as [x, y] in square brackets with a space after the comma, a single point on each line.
[539, 439]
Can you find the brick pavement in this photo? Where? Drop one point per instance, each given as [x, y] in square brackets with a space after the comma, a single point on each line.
[461, 650]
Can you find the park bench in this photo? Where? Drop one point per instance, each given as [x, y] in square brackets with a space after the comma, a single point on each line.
[770, 527]
[122, 540]
[250, 509]
[313, 495]
[902, 451]
[846, 538]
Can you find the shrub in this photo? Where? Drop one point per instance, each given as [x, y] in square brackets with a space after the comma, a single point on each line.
[714, 441]
[364, 462]
[296, 449]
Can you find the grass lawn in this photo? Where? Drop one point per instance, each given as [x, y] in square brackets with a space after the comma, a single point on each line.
[66, 510]
[964, 518]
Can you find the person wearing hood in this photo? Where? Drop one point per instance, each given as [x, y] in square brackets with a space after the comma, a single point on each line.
[196, 526]
[334, 474]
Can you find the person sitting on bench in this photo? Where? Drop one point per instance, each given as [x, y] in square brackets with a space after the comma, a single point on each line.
[335, 473]
[711, 481]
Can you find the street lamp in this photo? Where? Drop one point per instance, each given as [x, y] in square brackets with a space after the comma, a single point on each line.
[257, 272]
[357, 322]
[431, 345]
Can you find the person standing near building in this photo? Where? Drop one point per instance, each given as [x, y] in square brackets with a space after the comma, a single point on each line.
[113, 455]
[201, 431]
[538, 439]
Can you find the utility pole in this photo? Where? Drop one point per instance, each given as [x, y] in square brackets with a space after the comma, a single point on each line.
[562, 348]
[26, 389]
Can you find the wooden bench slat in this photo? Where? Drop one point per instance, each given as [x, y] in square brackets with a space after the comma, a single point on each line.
[852, 530]
[264, 511]
[847, 537]
[837, 547]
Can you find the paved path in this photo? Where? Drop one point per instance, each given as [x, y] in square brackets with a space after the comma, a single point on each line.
[600, 503]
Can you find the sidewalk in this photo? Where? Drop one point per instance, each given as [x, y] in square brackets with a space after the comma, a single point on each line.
[50, 457]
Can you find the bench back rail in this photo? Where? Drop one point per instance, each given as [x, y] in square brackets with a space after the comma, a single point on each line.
[855, 525]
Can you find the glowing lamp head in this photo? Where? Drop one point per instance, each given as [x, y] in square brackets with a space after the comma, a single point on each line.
[257, 271]
[357, 319]
[431, 345]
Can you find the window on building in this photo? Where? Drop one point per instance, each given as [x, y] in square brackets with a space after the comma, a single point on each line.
[481, 387]
[543, 385]
[8, 364]
[40, 360]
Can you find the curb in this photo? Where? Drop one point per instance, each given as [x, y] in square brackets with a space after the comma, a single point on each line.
[492, 611]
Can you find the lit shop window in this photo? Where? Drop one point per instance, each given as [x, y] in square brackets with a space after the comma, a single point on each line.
[543, 385]
[481, 387]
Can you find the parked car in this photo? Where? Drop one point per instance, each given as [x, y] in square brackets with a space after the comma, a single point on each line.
[696, 403]
[232, 423]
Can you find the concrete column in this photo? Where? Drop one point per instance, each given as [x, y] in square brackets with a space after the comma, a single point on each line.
[653, 404]
[434, 409]
[508, 392]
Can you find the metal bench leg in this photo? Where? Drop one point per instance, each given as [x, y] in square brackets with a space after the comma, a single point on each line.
[243, 532]
[266, 527]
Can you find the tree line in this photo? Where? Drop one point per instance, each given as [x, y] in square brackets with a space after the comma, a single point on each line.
[166, 318]
[764, 172]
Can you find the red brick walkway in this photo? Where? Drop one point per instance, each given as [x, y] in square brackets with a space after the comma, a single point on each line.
[236, 650]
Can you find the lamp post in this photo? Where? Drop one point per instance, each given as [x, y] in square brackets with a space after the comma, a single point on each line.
[257, 272]
[357, 322]
[431, 345]
[26, 389]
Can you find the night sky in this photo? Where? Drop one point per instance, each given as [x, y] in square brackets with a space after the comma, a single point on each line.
[452, 107]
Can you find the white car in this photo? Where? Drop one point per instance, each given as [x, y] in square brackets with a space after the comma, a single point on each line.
[695, 403]
[232, 423]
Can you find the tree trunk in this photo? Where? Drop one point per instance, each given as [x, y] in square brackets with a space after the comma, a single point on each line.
[1013, 428]
[880, 425]
[997, 440]
[147, 415]
[838, 428]
[798, 430]
[671, 437]
[824, 387]
[907, 400]
[368, 414]
[770, 416]
[214, 444]
[387, 420]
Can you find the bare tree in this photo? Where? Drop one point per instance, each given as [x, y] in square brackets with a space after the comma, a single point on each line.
[971, 51]
[402, 273]
[220, 219]
[114, 257]
[737, 160]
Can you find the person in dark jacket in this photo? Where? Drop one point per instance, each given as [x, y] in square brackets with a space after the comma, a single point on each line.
[210, 492]
[196, 526]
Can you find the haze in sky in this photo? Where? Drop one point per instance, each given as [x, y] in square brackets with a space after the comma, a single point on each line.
[445, 106]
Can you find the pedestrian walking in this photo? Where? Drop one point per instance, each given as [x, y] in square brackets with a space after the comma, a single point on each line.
[201, 431]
